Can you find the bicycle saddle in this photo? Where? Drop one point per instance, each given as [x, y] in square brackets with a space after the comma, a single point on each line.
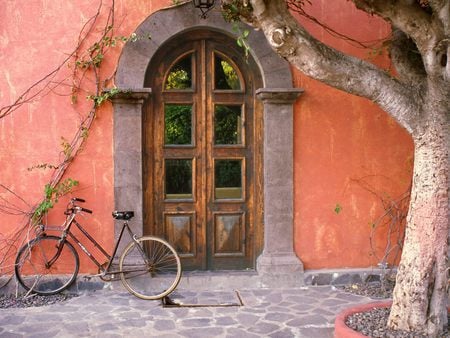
[124, 215]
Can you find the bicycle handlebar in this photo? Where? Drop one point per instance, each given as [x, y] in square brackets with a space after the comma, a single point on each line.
[72, 208]
[86, 210]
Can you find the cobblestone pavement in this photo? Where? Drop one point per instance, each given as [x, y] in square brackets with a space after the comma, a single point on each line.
[299, 312]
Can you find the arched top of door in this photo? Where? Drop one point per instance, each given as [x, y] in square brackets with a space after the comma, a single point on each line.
[169, 23]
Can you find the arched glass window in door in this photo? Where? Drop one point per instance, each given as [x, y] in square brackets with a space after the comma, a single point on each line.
[180, 75]
[225, 75]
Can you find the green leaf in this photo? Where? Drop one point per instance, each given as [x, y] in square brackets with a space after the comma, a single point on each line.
[337, 208]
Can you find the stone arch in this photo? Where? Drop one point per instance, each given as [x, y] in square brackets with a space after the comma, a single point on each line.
[165, 24]
[278, 264]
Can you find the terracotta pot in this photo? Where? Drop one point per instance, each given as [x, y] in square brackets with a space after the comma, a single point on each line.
[341, 330]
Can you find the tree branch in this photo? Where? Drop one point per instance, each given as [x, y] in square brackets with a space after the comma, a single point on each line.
[323, 63]
[441, 8]
[441, 50]
[406, 59]
[427, 22]
[406, 15]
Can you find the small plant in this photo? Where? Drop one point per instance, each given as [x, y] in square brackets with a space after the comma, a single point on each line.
[337, 208]
[232, 12]
[51, 197]
[66, 147]
[42, 166]
[104, 96]
[242, 38]
[96, 53]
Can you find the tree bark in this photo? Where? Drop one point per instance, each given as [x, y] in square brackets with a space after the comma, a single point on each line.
[419, 99]
[420, 294]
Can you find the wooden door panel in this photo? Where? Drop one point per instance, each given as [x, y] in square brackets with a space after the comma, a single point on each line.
[229, 234]
[180, 229]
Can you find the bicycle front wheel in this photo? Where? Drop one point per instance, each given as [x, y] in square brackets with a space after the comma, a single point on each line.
[150, 268]
[35, 271]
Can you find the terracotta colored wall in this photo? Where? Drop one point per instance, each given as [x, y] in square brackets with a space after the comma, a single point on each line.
[338, 137]
[35, 37]
[344, 143]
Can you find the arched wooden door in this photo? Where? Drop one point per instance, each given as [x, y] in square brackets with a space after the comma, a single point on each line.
[202, 152]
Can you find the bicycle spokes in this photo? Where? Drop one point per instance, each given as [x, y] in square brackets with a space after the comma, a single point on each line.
[150, 268]
[45, 267]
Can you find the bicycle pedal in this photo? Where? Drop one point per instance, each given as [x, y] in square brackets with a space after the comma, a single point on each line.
[87, 277]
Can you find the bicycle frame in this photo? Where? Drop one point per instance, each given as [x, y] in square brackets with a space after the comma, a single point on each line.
[67, 233]
[149, 267]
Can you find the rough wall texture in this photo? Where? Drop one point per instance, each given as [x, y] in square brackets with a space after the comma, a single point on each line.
[338, 138]
[342, 142]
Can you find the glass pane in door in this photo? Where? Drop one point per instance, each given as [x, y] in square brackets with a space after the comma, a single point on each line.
[177, 124]
[226, 77]
[228, 179]
[228, 126]
[178, 178]
[180, 75]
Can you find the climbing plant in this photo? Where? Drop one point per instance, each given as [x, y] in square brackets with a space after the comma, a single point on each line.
[95, 39]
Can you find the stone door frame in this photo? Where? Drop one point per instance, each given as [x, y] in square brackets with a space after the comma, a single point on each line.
[277, 265]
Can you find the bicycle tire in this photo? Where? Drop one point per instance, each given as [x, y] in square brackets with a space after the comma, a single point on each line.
[150, 268]
[33, 274]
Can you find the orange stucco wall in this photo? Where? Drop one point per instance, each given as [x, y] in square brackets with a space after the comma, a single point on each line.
[338, 138]
[344, 146]
[35, 37]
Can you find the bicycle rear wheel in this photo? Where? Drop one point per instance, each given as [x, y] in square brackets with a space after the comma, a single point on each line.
[150, 268]
[32, 265]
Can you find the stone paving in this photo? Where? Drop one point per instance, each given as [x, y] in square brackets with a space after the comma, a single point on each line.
[296, 312]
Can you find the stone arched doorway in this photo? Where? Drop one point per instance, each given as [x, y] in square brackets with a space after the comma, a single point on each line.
[277, 263]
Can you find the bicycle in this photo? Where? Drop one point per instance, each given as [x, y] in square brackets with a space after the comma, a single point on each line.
[149, 267]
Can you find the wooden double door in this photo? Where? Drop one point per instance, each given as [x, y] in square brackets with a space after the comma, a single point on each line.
[202, 160]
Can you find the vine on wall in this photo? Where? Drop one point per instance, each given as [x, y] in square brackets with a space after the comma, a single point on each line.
[391, 223]
[86, 78]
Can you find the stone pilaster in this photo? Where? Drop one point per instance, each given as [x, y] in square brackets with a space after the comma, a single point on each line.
[278, 264]
[128, 104]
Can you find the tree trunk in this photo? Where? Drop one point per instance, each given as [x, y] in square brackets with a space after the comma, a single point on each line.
[420, 297]
[420, 102]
